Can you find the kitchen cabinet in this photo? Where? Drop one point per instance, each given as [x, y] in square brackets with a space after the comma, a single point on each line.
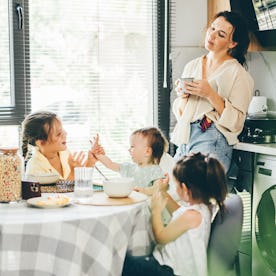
[214, 6]
[245, 162]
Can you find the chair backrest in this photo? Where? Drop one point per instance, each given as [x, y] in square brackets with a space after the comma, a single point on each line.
[225, 237]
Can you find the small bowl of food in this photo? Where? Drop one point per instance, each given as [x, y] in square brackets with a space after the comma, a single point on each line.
[118, 187]
[45, 178]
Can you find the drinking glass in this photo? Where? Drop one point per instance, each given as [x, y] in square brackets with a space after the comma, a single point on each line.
[83, 182]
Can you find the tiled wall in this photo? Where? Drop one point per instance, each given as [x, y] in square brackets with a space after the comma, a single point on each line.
[262, 66]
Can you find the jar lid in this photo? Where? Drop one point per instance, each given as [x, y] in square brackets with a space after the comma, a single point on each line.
[6, 150]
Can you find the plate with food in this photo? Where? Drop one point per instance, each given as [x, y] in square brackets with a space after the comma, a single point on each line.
[57, 201]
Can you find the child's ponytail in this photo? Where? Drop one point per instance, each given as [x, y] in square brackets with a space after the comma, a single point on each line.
[204, 176]
[216, 181]
[24, 147]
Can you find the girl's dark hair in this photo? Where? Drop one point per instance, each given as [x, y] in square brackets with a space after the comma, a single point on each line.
[36, 126]
[204, 176]
[156, 140]
[240, 35]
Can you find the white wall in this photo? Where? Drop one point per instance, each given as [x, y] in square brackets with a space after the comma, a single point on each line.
[191, 19]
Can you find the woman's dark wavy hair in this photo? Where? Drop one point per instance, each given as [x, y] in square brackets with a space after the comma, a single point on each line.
[240, 35]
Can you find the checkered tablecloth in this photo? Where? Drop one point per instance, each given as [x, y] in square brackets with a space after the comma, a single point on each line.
[71, 241]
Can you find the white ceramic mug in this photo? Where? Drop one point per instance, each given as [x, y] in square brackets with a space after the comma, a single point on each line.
[180, 90]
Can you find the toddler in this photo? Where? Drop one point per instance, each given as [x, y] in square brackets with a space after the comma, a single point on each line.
[182, 245]
[147, 146]
[43, 130]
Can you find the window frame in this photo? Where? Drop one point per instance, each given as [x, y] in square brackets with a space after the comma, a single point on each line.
[163, 98]
[20, 69]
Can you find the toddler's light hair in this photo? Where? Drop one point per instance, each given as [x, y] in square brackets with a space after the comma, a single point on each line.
[156, 140]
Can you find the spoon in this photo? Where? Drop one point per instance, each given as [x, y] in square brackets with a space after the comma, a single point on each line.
[101, 172]
[91, 142]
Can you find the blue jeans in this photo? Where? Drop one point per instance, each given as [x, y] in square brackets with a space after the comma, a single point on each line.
[143, 266]
[210, 142]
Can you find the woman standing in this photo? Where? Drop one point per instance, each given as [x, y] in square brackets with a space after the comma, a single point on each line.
[211, 113]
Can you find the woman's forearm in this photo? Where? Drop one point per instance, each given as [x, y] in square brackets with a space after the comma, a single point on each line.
[217, 102]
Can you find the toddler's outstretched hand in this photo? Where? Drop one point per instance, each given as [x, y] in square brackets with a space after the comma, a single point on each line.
[91, 159]
[99, 153]
[96, 148]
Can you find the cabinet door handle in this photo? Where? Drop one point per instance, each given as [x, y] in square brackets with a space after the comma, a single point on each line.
[260, 163]
[20, 15]
[233, 177]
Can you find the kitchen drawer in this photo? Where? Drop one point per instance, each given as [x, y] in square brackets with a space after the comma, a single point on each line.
[244, 159]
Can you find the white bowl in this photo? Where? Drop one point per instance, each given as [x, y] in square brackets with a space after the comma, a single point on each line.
[45, 178]
[118, 187]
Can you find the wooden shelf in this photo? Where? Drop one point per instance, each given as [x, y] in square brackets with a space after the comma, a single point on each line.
[214, 6]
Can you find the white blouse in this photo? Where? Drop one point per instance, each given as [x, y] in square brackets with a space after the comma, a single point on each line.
[187, 255]
[233, 83]
[39, 164]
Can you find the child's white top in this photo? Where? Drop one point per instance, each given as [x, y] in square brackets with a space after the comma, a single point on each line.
[187, 255]
[143, 176]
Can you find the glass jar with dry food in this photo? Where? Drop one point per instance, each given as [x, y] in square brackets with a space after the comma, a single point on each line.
[10, 175]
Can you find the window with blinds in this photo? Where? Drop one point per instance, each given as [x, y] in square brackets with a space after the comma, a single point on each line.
[5, 95]
[97, 64]
[14, 86]
[92, 62]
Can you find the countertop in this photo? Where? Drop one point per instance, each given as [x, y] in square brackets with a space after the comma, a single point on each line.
[257, 148]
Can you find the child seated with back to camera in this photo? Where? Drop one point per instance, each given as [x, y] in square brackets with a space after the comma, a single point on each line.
[181, 247]
[147, 145]
[43, 131]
